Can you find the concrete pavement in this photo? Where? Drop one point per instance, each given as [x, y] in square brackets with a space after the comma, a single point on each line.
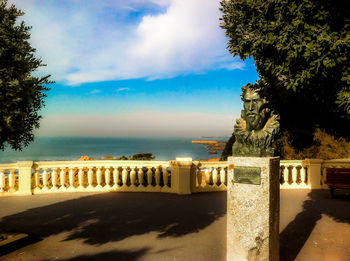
[157, 226]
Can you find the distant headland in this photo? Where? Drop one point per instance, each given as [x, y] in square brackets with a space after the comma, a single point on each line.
[212, 145]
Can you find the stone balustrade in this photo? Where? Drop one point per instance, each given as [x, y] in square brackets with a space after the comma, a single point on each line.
[294, 174]
[181, 176]
[209, 176]
[8, 178]
[88, 176]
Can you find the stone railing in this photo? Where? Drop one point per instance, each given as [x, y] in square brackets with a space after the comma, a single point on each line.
[26, 178]
[294, 174]
[181, 176]
[209, 176]
[87, 176]
[8, 178]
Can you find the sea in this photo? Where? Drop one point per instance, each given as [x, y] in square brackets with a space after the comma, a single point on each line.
[71, 148]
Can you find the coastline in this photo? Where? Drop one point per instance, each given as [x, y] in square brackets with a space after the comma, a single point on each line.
[71, 148]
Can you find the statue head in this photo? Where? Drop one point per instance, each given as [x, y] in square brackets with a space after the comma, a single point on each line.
[255, 133]
[255, 110]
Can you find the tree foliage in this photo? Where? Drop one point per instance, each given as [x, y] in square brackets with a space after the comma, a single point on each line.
[138, 156]
[301, 52]
[21, 94]
[227, 151]
[325, 147]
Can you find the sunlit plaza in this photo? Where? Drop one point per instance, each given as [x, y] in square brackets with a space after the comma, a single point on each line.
[158, 226]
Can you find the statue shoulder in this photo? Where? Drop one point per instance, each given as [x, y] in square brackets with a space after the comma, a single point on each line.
[272, 125]
[240, 124]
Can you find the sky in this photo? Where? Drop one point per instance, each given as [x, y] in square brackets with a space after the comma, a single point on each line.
[136, 68]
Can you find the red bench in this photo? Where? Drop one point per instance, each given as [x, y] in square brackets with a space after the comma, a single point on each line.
[337, 178]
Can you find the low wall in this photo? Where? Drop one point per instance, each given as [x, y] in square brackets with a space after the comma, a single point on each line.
[181, 176]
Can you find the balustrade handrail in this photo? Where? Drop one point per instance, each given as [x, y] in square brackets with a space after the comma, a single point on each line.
[100, 163]
[292, 162]
[4, 166]
[210, 163]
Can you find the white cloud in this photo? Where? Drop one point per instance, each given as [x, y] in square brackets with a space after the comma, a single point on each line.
[83, 43]
[95, 91]
[141, 123]
[122, 89]
[232, 66]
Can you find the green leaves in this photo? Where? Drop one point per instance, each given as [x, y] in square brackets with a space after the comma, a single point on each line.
[301, 50]
[307, 38]
[344, 99]
[21, 95]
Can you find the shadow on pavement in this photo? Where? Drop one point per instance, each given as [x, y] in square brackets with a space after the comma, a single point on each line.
[17, 245]
[111, 255]
[296, 233]
[109, 217]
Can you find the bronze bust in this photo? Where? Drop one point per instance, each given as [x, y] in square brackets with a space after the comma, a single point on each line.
[257, 129]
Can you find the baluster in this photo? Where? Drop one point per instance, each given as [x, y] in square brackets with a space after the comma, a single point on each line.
[54, 179]
[90, 178]
[2, 181]
[294, 175]
[99, 178]
[108, 177]
[149, 177]
[207, 176]
[215, 176]
[62, 178]
[45, 180]
[299, 180]
[37, 178]
[71, 179]
[199, 176]
[287, 176]
[12, 180]
[157, 176]
[133, 177]
[165, 177]
[222, 176]
[115, 177]
[303, 175]
[140, 176]
[81, 178]
[124, 176]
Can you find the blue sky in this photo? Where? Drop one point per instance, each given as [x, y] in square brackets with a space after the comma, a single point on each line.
[156, 68]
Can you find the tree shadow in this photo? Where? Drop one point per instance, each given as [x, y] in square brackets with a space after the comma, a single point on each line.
[13, 246]
[110, 255]
[296, 233]
[109, 217]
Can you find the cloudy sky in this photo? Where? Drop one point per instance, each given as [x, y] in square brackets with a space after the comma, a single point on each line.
[136, 67]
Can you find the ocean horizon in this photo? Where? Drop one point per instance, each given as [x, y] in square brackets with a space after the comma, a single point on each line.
[71, 148]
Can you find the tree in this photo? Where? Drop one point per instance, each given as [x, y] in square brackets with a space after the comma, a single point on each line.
[138, 156]
[301, 53]
[227, 151]
[21, 94]
[325, 147]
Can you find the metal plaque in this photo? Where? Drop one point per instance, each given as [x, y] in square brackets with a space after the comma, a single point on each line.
[247, 175]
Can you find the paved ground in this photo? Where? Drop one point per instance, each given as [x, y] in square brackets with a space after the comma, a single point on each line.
[150, 226]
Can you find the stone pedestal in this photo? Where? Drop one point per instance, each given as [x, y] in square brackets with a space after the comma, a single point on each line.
[181, 175]
[253, 198]
[24, 177]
